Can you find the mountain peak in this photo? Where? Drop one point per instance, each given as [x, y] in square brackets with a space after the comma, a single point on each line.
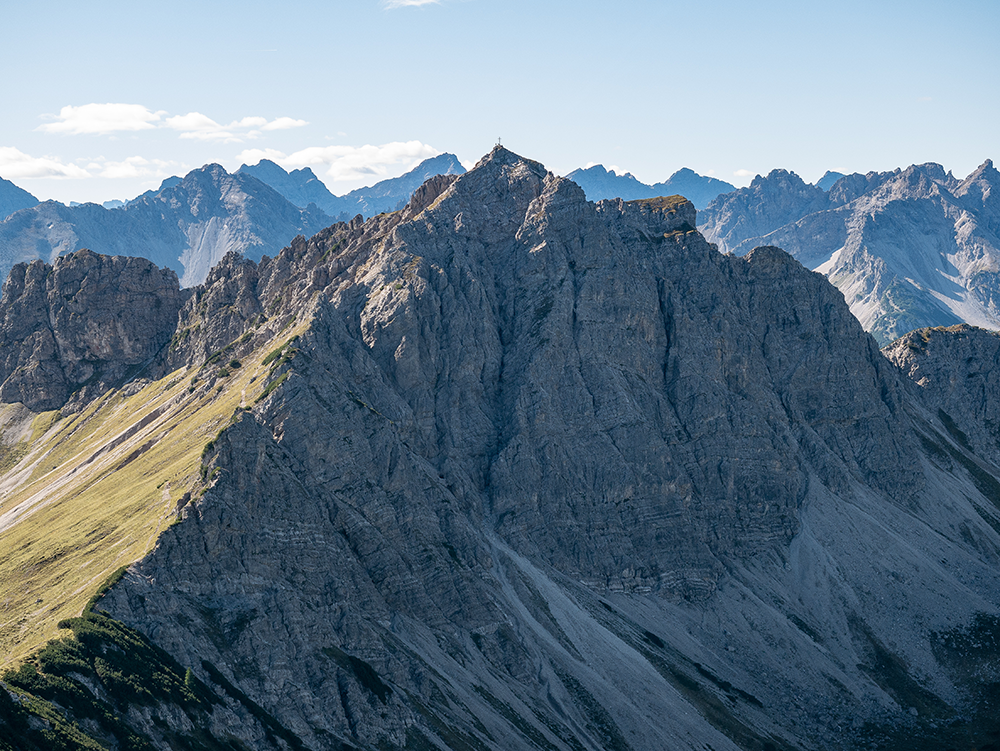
[600, 184]
[778, 176]
[981, 184]
[829, 179]
[13, 198]
[499, 156]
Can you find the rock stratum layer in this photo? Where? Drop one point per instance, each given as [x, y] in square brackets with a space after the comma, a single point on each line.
[533, 472]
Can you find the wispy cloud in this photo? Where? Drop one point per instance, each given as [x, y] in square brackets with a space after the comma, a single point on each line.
[135, 166]
[390, 4]
[283, 123]
[101, 119]
[345, 163]
[202, 127]
[105, 119]
[15, 164]
[744, 173]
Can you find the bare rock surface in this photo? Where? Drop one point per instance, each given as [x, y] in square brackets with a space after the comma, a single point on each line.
[81, 326]
[958, 372]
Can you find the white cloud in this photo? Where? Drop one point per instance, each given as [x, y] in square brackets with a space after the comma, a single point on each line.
[744, 173]
[199, 126]
[16, 164]
[283, 123]
[192, 121]
[390, 4]
[102, 119]
[203, 128]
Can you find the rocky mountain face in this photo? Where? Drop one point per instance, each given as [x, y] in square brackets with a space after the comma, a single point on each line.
[187, 226]
[70, 331]
[599, 184]
[735, 221]
[13, 198]
[909, 249]
[525, 471]
[958, 372]
[302, 187]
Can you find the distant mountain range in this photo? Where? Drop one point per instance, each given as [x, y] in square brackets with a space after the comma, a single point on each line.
[599, 184]
[188, 224]
[505, 470]
[908, 248]
[302, 187]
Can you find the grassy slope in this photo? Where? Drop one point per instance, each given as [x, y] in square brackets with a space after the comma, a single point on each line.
[95, 489]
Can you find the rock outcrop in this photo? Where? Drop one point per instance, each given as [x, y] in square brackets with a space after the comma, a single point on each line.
[958, 372]
[534, 472]
[81, 326]
[737, 221]
[829, 179]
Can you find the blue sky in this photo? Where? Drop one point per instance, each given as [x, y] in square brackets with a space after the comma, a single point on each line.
[363, 90]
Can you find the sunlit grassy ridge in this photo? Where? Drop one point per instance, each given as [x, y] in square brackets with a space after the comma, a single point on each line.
[91, 492]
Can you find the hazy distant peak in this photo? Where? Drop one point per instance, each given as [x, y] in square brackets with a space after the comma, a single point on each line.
[829, 179]
[600, 184]
[13, 198]
[301, 186]
[778, 176]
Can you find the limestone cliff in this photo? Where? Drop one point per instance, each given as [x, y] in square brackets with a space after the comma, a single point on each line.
[81, 326]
